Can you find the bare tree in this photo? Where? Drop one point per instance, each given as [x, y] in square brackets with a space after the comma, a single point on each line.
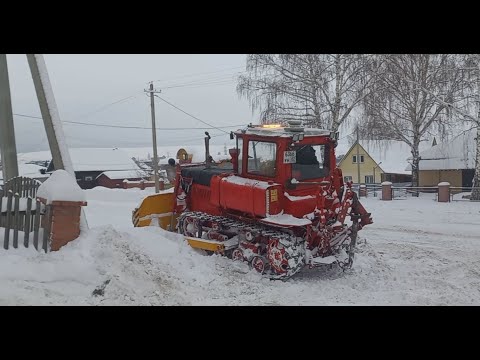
[319, 89]
[403, 105]
[469, 109]
[473, 87]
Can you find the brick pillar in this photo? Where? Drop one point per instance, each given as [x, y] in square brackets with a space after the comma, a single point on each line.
[65, 222]
[386, 190]
[362, 191]
[444, 192]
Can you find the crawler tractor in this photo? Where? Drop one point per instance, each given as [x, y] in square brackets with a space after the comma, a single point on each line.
[281, 205]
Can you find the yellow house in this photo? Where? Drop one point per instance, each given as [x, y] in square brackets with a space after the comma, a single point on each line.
[384, 161]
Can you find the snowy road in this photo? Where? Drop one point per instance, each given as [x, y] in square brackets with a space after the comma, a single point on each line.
[417, 252]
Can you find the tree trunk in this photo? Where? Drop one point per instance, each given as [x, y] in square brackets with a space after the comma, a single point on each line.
[415, 166]
[476, 177]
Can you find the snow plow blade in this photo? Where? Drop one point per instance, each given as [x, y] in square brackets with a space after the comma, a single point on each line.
[153, 208]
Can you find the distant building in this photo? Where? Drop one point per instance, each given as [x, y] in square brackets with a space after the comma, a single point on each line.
[89, 163]
[115, 179]
[452, 161]
[31, 171]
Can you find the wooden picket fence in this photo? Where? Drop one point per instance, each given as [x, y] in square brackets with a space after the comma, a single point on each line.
[22, 215]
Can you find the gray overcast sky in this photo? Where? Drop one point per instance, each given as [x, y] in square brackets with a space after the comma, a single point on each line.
[84, 84]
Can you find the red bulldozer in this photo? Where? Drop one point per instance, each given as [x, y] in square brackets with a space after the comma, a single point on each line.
[280, 206]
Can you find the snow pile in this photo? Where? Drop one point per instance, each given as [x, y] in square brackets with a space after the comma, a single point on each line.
[60, 186]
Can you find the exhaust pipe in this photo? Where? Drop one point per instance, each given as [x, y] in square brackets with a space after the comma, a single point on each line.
[208, 159]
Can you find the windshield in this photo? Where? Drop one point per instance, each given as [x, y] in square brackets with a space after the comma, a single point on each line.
[311, 162]
[261, 158]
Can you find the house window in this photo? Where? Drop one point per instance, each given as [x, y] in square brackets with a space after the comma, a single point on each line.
[362, 159]
[347, 178]
[368, 179]
[88, 178]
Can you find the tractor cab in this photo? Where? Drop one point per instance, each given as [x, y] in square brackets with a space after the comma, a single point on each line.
[290, 155]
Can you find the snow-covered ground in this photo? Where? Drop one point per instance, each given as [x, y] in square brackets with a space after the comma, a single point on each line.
[418, 252]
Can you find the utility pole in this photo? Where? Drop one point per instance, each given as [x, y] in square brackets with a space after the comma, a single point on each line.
[61, 159]
[358, 158]
[7, 131]
[154, 137]
[51, 120]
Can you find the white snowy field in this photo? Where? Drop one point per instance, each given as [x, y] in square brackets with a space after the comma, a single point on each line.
[418, 252]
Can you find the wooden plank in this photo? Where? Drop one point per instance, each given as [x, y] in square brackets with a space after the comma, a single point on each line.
[9, 216]
[36, 224]
[15, 185]
[26, 228]
[47, 228]
[16, 220]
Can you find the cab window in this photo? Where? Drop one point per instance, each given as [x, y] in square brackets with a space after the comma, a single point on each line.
[311, 162]
[262, 157]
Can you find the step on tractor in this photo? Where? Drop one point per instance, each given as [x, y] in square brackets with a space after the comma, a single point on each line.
[280, 205]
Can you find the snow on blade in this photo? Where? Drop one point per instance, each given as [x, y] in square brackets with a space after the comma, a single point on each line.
[286, 219]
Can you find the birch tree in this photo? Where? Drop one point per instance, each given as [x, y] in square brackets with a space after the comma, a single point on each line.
[473, 86]
[403, 105]
[319, 89]
[469, 109]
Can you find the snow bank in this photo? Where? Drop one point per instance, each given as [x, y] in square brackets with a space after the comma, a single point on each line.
[416, 253]
[60, 186]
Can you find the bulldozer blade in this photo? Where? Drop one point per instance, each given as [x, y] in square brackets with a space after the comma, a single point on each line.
[156, 208]
[209, 245]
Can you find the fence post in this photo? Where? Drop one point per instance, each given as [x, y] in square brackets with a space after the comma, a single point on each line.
[386, 190]
[63, 199]
[8, 223]
[63, 222]
[444, 192]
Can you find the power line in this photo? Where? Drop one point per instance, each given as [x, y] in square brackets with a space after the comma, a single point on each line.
[196, 85]
[208, 80]
[131, 127]
[192, 116]
[198, 138]
[107, 106]
[197, 74]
